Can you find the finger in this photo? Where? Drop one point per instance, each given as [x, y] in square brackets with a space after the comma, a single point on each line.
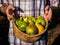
[7, 11]
[46, 12]
[10, 7]
[9, 17]
[45, 16]
[49, 16]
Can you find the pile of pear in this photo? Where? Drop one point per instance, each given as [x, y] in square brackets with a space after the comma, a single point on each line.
[31, 25]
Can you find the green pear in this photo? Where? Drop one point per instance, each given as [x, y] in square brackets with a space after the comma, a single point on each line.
[31, 29]
[34, 19]
[39, 17]
[21, 18]
[29, 18]
[41, 21]
[21, 25]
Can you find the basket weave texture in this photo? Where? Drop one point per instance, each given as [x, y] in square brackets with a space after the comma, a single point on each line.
[25, 37]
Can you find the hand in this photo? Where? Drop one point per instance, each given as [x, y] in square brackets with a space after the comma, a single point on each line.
[12, 8]
[48, 13]
[9, 16]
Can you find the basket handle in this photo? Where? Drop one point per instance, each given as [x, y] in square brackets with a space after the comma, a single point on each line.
[46, 23]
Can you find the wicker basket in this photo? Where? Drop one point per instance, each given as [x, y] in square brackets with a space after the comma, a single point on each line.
[25, 37]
